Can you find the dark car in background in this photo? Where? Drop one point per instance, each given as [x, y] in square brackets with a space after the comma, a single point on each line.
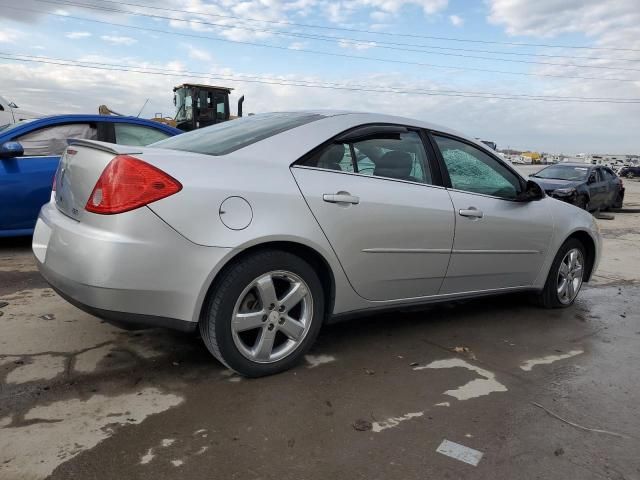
[590, 187]
[630, 172]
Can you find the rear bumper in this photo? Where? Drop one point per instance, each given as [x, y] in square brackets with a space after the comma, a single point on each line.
[132, 270]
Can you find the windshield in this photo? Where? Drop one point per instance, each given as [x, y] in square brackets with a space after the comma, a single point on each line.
[184, 108]
[233, 135]
[564, 172]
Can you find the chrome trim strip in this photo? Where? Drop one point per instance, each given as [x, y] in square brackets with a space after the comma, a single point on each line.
[447, 251]
[490, 252]
[407, 250]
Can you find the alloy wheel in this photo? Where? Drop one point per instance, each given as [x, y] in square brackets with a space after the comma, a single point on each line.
[272, 316]
[570, 276]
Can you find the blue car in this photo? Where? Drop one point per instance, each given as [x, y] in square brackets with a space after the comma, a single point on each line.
[30, 151]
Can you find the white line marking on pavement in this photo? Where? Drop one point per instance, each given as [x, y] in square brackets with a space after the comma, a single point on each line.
[474, 388]
[393, 421]
[529, 364]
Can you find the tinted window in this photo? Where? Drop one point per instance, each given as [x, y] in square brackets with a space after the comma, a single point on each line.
[233, 135]
[137, 134]
[51, 141]
[472, 170]
[399, 155]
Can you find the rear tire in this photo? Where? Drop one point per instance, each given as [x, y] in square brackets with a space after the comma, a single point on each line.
[264, 313]
[564, 274]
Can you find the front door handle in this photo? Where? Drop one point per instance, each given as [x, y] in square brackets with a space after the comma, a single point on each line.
[471, 212]
[341, 197]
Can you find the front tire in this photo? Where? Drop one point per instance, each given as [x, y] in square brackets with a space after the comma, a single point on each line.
[264, 313]
[618, 201]
[565, 276]
[582, 202]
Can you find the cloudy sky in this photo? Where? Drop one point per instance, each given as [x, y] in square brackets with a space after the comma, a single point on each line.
[429, 59]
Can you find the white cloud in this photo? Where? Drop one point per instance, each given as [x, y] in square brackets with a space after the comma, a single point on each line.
[8, 36]
[77, 35]
[297, 45]
[339, 11]
[118, 40]
[549, 18]
[456, 20]
[393, 6]
[356, 45]
[196, 53]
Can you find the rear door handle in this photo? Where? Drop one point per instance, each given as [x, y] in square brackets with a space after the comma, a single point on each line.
[341, 198]
[471, 212]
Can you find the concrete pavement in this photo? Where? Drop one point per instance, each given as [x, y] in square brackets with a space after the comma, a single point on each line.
[375, 398]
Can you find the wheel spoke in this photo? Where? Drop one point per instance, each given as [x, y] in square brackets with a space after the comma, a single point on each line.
[247, 321]
[562, 289]
[297, 292]
[573, 256]
[267, 291]
[577, 272]
[570, 290]
[564, 270]
[263, 349]
[292, 328]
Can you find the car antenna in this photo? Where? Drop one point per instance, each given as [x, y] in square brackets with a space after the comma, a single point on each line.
[144, 105]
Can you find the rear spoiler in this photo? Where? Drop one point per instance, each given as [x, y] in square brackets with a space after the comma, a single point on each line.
[105, 147]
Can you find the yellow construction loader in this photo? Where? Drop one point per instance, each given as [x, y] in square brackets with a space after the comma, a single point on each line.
[197, 106]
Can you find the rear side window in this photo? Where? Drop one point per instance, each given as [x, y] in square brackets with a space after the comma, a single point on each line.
[137, 135]
[398, 155]
[227, 137]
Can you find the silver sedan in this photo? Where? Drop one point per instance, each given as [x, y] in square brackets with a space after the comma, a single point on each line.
[259, 230]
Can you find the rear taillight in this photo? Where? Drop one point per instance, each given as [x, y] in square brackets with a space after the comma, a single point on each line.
[128, 183]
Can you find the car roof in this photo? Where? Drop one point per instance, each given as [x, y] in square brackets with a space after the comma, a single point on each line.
[573, 164]
[71, 118]
[375, 117]
[289, 145]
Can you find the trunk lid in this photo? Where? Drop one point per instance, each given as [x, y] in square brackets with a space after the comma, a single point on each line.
[80, 166]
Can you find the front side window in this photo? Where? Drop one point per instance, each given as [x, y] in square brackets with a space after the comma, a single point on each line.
[472, 170]
[51, 141]
[233, 135]
[137, 135]
[399, 156]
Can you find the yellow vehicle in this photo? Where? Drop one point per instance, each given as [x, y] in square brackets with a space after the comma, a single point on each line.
[199, 105]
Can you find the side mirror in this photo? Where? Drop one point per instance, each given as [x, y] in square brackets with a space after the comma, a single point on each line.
[532, 192]
[592, 178]
[11, 149]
